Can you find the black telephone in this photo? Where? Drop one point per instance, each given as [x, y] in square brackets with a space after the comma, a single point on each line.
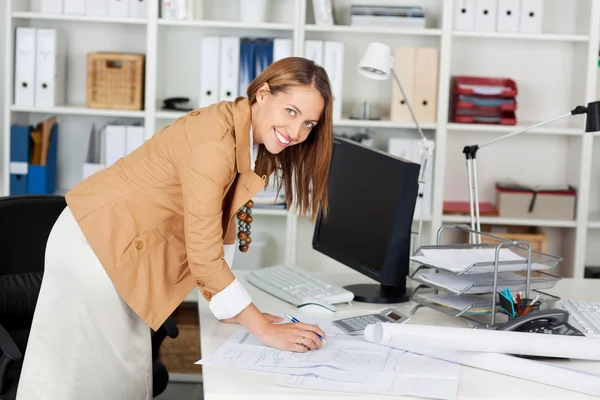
[552, 321]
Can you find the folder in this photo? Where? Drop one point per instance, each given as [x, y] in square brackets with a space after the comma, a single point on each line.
[139, 8]
[115, 143]
[282, 48]
[509, 15]
[247, 64]
[264, 55]
[531, 16]
[313, 50]
[425, 84]
[96, 8]
[24, 90]
[464, 15]
[134, 138]
[74, 7]
[50, 67]
[95, 155]
[333, 63]
[51, 6]
[486, 15]
[405, 69]
[118, 8]
[209, 70]
[230, 63]
[19, 158]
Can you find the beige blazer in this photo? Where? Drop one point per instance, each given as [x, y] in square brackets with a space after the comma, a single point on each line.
[157, 219]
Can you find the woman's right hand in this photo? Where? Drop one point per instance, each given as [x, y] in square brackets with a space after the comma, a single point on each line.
[297, 337]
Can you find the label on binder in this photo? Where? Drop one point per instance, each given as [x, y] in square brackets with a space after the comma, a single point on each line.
[19, 168]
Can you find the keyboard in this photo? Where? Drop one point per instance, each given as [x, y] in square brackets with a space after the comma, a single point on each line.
[296, 285]
[584, 315]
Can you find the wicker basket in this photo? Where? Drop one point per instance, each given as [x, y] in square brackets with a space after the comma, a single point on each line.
[536, 238]
[115, 81]
[179, 354]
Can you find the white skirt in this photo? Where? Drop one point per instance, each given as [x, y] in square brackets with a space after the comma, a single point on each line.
[85, 341]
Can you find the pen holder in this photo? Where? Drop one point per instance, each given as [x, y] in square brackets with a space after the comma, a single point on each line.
[526, 308]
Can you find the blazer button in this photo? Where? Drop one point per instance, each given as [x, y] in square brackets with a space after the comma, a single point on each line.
[194, 113]
[207, 295]
[200, 283]
[139, 245]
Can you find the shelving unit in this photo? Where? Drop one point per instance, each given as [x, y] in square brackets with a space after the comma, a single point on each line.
[555, 71]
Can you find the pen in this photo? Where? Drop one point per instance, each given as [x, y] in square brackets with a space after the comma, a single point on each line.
[293, 319]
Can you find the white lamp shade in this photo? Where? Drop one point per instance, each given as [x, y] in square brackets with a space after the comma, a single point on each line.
[375, 64]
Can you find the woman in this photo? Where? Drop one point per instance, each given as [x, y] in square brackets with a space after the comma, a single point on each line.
[137, 237]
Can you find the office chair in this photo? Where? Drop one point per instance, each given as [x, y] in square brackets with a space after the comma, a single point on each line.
[25, 224]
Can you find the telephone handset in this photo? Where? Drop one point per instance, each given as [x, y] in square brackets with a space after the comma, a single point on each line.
[552, 321]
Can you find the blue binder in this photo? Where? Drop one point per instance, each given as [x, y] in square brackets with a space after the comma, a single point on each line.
[264, 55]
[19, 158]
[42, 178]
[246, 74]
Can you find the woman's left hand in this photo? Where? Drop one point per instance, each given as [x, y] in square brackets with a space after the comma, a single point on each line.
[270, 317]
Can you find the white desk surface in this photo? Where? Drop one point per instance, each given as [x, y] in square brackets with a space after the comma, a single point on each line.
[229, 383]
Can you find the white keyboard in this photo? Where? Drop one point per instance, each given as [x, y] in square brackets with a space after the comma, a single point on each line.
[296, 285]
[584, 315]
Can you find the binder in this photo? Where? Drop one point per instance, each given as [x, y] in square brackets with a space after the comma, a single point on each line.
[138, 8]
[96, 8]
[282, 48]
[50, 67]
[74, 7]
[425, 84]
[313, 50]
[118, 8]
[230, 62]
[115, 143]
[509, 15]
[42, 177]
[464, 15]
[95, 154]
[209, 73]
[24, 90]
[264, 55]
[134, 138]
[51, 6]
[485, 15]
[247, 64]
[19, 158]
[405, 70]
[333, 62]
[531, 16]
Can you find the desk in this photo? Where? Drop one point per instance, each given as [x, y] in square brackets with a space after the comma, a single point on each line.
[228, 383]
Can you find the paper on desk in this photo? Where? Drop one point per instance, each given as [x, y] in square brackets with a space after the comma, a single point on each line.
[536, 371]
[457, 260]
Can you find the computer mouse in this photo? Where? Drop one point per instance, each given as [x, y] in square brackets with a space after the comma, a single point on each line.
[316, 306]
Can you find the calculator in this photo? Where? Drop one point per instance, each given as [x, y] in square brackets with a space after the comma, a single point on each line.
[356, 325]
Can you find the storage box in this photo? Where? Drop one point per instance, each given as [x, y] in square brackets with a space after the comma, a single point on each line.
[115, 81]
[537, 239]
[514, 201]
[179, 354]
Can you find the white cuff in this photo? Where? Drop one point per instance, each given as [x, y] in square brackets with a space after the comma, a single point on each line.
[229, 250]
[230, 301]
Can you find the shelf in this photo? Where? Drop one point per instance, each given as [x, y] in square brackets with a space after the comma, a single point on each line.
[594, 220]
[79, 110]
[556, 37]
[171, 115]
[267, 26]
[81, 18]
[267, 211]
[382, 124]
[372, 30]
[545, 130]
[550, 223]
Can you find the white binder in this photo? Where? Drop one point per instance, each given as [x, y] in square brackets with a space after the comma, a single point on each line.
[134, 138]
[464, 15]
[209, 72]
[51, 6]
[74, 7]
[313, 50]
[424, 97]
[51, 58]
[115, 143]
[96, 8]
[509, 12]
[282, 48]
[118, 8]
[405, 70]
[531, 16]
[230, 68]
[138, 8]
[333, 62]
[24, 90]
[485, 15]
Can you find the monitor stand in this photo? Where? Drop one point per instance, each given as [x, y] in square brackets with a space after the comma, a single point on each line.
[375, 293]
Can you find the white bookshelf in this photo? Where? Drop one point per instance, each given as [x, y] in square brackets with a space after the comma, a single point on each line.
[555, 71]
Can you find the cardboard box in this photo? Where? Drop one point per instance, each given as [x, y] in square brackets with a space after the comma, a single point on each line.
[515, 201]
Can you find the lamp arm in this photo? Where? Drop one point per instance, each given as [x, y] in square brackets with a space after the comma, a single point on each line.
[410, 110]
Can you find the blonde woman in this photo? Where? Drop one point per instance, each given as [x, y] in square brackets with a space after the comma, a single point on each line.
[137, 237]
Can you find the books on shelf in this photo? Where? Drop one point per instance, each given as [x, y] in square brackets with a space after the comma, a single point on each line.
[410, 17]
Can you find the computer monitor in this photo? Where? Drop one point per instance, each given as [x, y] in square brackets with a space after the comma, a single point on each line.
[372, 198]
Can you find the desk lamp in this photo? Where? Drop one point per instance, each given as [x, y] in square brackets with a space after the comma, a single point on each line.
[378, 63]
[592, 125]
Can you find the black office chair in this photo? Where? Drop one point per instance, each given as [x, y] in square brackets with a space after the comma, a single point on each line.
[25, 224]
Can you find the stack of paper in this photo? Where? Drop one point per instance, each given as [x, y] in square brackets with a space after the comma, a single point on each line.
[345, 364]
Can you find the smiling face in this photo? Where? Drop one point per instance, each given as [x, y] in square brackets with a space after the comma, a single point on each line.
[284, 119]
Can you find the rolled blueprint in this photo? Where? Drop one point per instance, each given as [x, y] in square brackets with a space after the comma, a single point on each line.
[541, 372]
[490, 341]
